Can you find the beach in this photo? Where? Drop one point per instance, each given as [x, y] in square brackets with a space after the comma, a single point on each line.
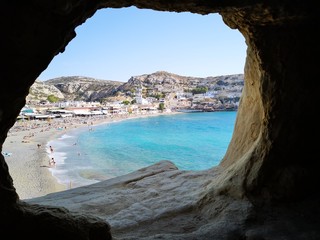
[27, 154]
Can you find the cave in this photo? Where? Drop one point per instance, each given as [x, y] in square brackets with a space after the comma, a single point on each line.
[266, 186]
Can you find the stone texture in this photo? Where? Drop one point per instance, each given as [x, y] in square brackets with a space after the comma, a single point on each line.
[163, 202]
[39, 91]
[266, 186]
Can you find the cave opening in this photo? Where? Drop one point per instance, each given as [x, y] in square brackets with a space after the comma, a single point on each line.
[265, 186]
[213, 54]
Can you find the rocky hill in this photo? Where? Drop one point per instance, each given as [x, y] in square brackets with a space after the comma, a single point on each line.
[40, 91]
[164, 82]
[156, 84]
[84, 88]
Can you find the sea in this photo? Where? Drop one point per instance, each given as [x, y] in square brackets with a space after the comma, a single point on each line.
[192, 141]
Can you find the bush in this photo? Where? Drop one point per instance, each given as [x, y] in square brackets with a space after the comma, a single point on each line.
[161, 106]
[199, 90]
[53, 99]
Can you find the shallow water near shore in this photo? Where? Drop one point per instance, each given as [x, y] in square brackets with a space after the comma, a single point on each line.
[192, 141]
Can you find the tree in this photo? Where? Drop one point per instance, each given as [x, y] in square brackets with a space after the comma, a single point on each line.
[200, 90]
[161, 106]
[52, 98]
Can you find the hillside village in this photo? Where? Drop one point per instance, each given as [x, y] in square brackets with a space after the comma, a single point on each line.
[148, 93]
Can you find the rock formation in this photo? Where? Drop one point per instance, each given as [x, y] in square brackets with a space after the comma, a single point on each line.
[266, 186]
[39, 91]
[79, 88]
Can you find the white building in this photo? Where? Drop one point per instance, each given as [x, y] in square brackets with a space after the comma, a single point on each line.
[139, 99]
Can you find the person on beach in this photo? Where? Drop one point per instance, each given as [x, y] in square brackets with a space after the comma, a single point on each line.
[52, 162]
[51, 149]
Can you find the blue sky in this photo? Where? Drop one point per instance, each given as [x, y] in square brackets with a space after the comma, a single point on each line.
[116, 44]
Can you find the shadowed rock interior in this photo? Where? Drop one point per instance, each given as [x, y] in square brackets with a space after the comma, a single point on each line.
[266, 186]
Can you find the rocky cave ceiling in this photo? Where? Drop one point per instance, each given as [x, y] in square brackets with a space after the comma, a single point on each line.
[271, 160]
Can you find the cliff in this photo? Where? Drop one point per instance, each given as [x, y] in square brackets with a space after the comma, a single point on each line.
[83, 88]
[228, 87]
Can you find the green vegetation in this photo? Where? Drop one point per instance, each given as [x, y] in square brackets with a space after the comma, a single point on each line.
[158, 95]
[52, 98]
[132, 92]
[199, 90]
[126, 102]
[161, 106]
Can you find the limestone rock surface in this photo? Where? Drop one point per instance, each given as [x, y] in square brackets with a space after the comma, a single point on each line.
[266, 186]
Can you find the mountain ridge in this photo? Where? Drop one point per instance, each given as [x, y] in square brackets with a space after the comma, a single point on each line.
[83, 88]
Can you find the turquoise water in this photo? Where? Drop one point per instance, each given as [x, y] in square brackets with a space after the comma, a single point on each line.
[192, 141]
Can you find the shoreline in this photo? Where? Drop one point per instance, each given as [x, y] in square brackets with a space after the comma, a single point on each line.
[28, 163]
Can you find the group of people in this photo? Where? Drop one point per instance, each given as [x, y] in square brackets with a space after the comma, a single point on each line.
[52, 162]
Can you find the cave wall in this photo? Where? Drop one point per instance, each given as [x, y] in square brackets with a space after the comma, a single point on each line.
[271, 155]
[272, 137]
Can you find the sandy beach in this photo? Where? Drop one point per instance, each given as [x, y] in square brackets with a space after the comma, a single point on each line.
[27, 154]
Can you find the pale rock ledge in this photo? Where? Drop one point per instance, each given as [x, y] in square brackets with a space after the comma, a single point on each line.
[158, 200]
